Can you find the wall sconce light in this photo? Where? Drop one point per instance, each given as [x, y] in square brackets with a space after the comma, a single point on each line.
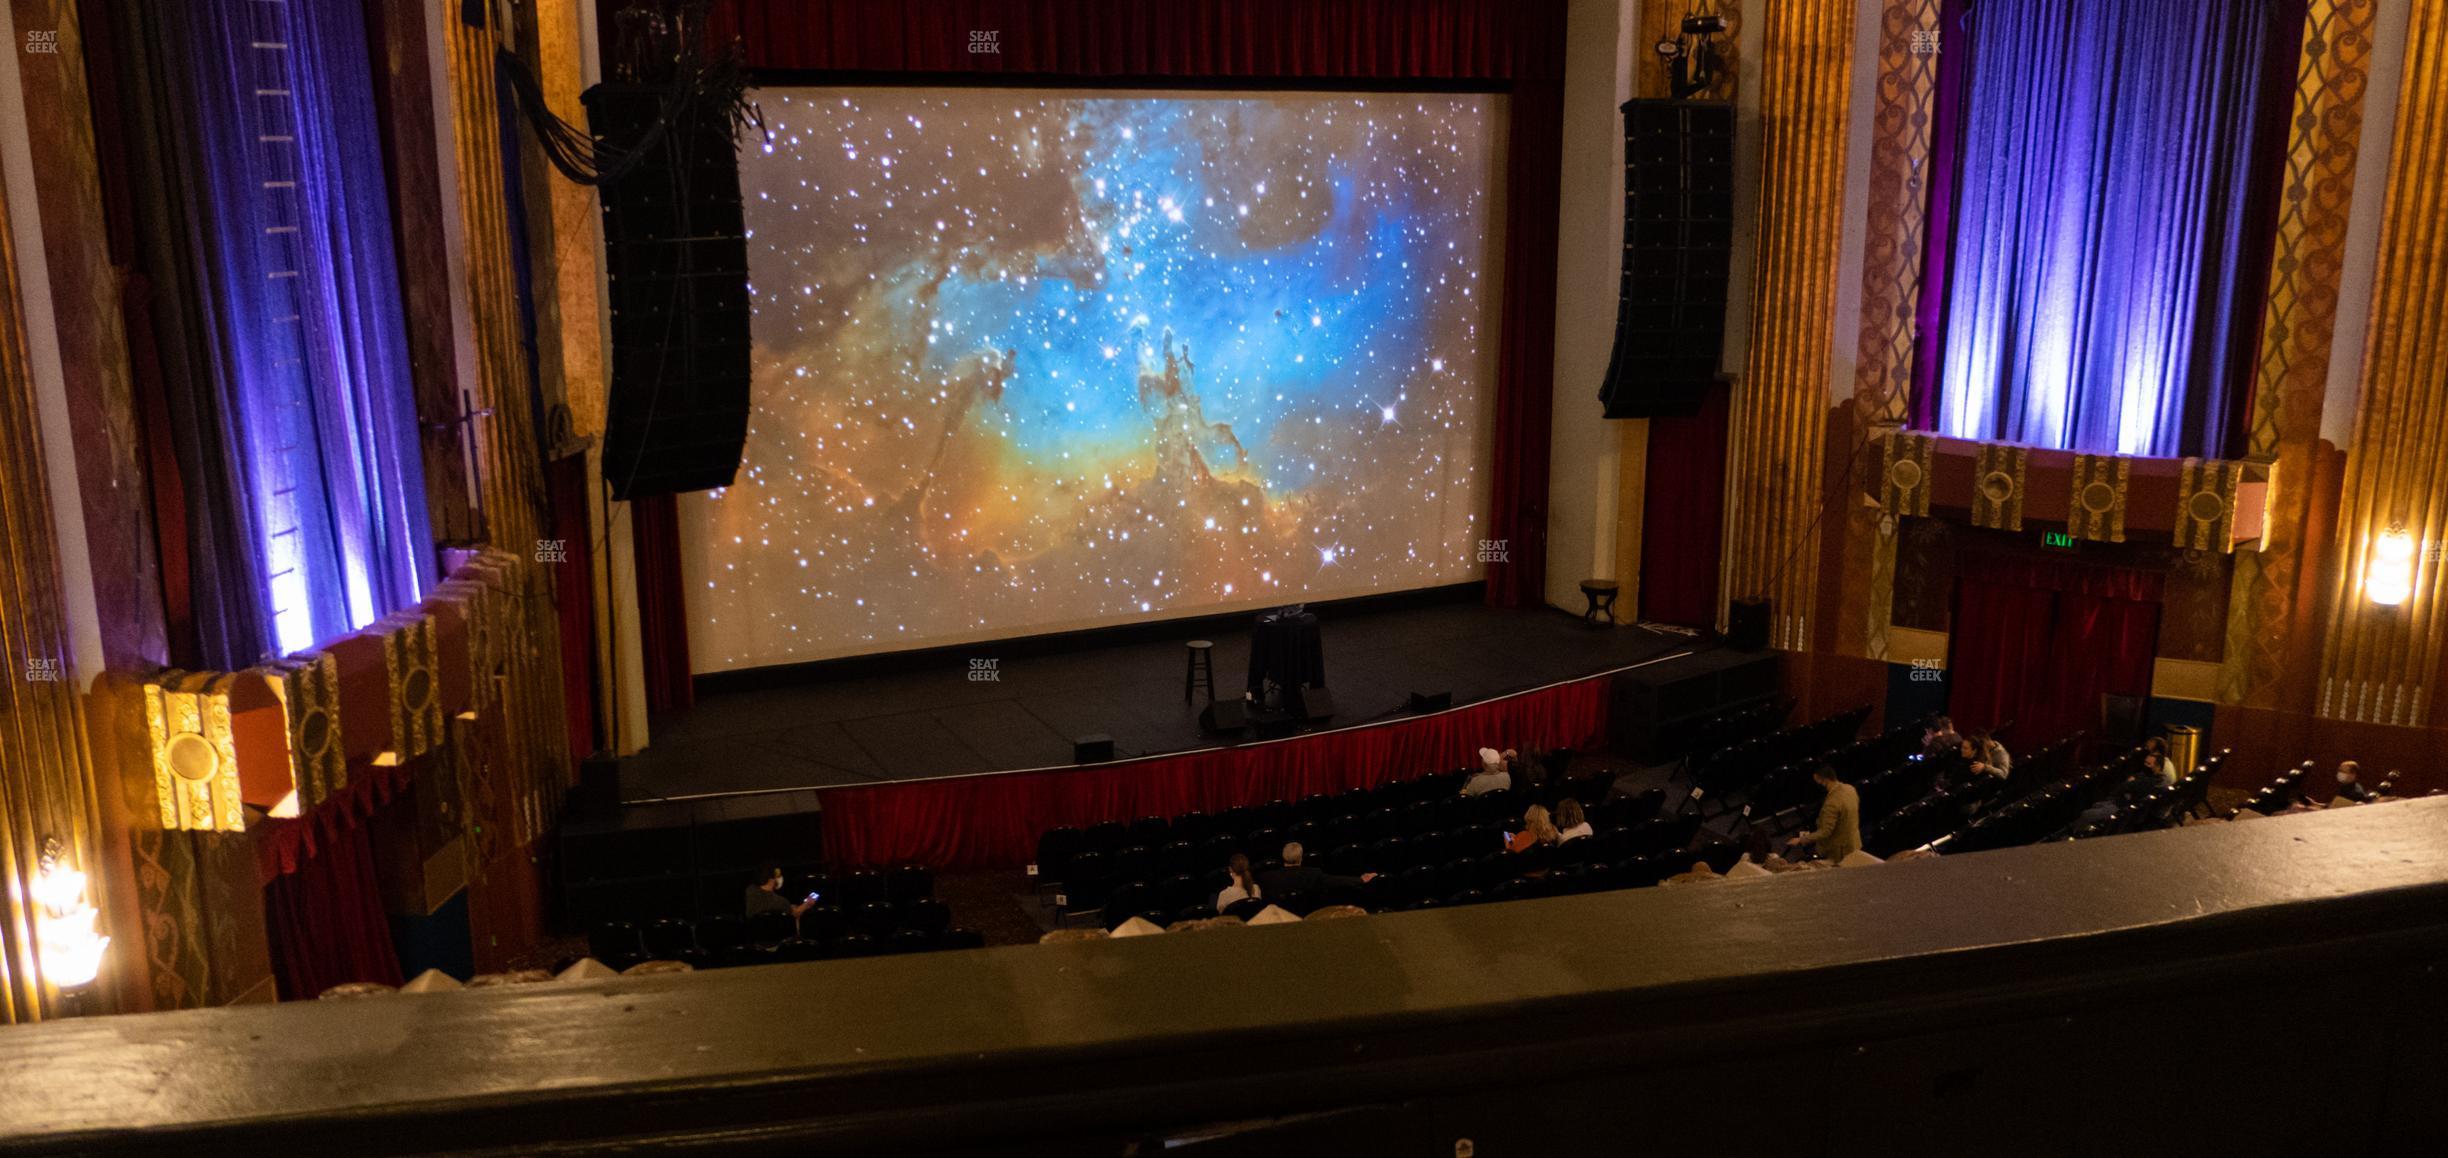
[67, 927]
[2390, 577]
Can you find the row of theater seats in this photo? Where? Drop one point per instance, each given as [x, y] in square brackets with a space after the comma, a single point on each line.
[2046, 811]
[864, 913]
[2162, 807]
[1903, 807]
[1725, 769]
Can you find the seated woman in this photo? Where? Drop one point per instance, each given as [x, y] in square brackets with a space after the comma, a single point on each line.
[1244, 886]
[1990, 757]
[1571, 823]
[1537, 830]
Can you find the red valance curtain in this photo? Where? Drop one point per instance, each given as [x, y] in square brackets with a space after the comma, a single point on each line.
[2039, 644]
[1516, 45]
[325, 920]
[993, 820]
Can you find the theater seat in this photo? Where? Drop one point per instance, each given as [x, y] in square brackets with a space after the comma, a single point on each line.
[927, 915]
[762, 929]
[909, 941]
[960, 939]
[669, 937]
[909, 883]
[611, 939]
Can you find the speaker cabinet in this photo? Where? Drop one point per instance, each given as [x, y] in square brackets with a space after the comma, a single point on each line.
[676, 259]
[1747, 624]
[1424, 702]
[1313, 703]
[1677, 247]
[1224, 717]
[1092, 749]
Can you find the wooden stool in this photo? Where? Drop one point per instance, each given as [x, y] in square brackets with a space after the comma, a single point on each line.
[1200, 670]
[1601, 595]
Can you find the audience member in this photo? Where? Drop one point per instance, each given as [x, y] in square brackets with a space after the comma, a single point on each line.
[1839, 833]
[765, 896]
[1571, 823]
[1536, 830]
[1939, 738]
[2155, 760]
[1491, 776]
[1989, 757]
[1300, 888]
[1244, 886]
[2350, 784]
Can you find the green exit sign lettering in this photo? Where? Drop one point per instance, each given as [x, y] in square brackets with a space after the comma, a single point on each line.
[2058, 540]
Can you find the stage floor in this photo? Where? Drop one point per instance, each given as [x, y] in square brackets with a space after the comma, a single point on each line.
[917, 724]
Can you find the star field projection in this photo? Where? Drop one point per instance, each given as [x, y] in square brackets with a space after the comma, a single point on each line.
[1029, 361]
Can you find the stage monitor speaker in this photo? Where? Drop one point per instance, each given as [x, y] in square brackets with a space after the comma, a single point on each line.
[1423, 702]
[1092, 749]
[1678, 244]
[1747, 624]
[1224, 717]
[598, 790]
[1313, 703]
[676, 262]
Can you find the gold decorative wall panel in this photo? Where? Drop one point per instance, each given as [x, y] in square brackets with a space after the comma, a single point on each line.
[2206, 504]
[46, 780]
[410, 660]
[2381, 664]
[510, 463]
[2298, 328]
[1997, 487]
[1904, 473]
[1776, 461]
[308, 685]
[195, 754]
[2096, 509]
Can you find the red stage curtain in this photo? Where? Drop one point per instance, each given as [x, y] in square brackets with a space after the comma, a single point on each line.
[1683, 514]
[654, 541]
[567, 483]
[993, 820]
[1517, 45]
[326, 921]
[2039, 643]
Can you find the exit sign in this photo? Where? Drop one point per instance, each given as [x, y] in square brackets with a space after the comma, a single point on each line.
[2058, 540]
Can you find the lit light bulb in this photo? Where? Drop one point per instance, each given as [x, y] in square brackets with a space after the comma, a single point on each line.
[2390, 578]
[66, 928]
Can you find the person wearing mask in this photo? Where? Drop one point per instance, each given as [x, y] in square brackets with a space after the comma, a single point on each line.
[765, 896]
[2350, 784]
[1570, 822]
[1536, 830]
[1244, 884]
[1839, 832]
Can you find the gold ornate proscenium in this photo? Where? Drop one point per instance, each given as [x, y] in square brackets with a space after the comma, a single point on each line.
[2206, 504]
[1904, 486]
[2097, 511]
[308, 686]
[195, 755]
[409, 660]
[1997, 498]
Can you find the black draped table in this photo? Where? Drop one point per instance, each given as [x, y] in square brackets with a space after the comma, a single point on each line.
[1284, 648]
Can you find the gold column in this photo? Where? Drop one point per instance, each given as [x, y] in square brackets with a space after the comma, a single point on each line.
[1893, 239]
[2382, 664]
[2298, 330]
[46, 783]
[1777, 458]
[509, 461]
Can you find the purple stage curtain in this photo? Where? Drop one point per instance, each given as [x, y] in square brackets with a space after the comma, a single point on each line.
[2037, 644]
[1516, 45]
[993, 820]
[301, 340]
[2093, 235]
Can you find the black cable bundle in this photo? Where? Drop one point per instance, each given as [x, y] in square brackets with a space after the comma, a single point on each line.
[693, 80]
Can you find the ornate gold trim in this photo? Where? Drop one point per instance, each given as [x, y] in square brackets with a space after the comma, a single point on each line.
[2097, 507]
[195, 752]
[1997, 489]
[1904, 482]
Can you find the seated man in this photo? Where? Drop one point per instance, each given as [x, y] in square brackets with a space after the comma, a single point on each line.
[1493, 775]
[1299, 888]
[2350, 784]
[1839, 833]
[765, 896]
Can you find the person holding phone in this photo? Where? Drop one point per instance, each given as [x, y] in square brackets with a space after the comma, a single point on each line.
[765, 896]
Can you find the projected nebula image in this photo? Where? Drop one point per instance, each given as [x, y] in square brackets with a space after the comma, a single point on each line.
[1030, 360]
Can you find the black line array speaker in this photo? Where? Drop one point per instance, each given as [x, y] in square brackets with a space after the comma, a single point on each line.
[676, 258]
[1678, 242]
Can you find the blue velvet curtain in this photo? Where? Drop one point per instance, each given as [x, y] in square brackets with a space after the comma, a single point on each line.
[299, 298]
[2102, 247]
